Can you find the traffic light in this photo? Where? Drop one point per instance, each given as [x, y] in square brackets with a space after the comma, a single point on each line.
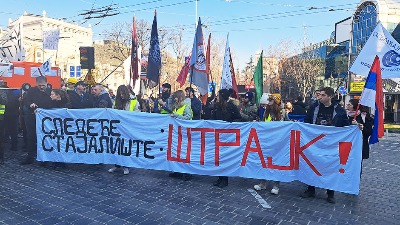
[87, 57]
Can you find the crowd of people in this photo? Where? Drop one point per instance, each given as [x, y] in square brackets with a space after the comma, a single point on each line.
[181, 104]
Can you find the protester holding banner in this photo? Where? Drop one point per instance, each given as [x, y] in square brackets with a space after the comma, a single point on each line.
[325, 113]
[36, 97]
[11, 116]
[273, 112]
[364, 118]
[3, 102]
[102, 98]
[59, 99]
[227, 111]
[124, 101]
[181, 109]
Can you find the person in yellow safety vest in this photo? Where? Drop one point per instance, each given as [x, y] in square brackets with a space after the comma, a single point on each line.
[181, 110]
[3, 102]
[273, 112]
[123, 101]
[181, 106]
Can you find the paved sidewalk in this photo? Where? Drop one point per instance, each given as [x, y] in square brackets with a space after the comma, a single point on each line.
[88, 194]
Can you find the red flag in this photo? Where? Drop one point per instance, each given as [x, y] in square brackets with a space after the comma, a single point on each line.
[379, 101]
[372, 96]
[208, 69]
[181, 79]
[134, 73]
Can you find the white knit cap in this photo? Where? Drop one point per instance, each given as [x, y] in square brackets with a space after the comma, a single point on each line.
[264, 99]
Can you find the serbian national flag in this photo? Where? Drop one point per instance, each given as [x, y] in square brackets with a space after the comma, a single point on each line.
[372, 96]
[181, 79]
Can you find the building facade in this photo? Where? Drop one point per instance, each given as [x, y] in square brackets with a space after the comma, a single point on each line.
[72, 36]
[364, 21]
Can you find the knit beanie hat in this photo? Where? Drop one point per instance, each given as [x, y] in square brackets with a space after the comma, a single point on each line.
[249, 95]
[276, 98]
[264, 99]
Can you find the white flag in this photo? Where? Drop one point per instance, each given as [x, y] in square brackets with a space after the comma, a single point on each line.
[45, 67]
[382, 44]
[11, 48]
[226, 78]
[50, 39]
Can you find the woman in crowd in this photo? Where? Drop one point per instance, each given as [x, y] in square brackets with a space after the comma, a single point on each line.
[273, 112]
[227, 111]
[59, 99]
[124, 101]
[363, 117]
[181, 109]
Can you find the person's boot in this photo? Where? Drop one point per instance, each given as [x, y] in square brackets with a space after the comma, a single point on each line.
[216, 183]
[187, 177]
[223, 183]
[331, 196]
[309, 193]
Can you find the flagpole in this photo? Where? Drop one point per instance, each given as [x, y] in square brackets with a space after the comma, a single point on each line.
[195, 22]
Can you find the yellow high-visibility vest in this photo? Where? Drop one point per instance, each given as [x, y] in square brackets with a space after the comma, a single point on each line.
[2, 109]
[181, 110]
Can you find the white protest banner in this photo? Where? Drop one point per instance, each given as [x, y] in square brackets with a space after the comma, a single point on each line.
[11, 48]
[326, 157]
[382, 44]
[50, 39]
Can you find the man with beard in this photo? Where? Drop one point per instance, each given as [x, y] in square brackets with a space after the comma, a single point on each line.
[164, 102]
[36, 97]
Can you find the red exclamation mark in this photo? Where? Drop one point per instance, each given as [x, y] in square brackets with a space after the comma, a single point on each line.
[344, 152]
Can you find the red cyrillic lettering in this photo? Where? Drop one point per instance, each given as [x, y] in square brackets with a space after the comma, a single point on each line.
[253, 135]
[219, 144]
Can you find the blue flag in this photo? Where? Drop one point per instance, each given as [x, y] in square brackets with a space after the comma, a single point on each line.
[154, 61]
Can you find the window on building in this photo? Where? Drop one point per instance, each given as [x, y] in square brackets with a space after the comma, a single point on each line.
[365, 20]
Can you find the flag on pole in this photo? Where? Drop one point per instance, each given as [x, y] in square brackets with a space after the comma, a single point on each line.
[134, 70]
[382, 44]
[11, 48]
[208, 68]
[154, 61]
[181, 79]
[208, 58]
[198, 62]
[228, 80]
[45, 67]
[258, 78]
[372, 96]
